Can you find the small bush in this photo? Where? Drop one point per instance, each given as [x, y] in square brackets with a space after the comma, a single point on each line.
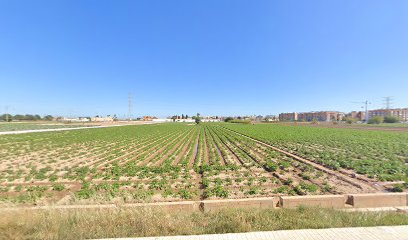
[376, 120]
[391, 119]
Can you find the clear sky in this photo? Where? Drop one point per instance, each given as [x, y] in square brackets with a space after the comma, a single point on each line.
[216, 57]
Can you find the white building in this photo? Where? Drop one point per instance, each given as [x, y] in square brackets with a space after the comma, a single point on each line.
[102, 119]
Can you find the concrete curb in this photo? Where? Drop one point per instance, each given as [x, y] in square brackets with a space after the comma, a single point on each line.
[392, 201]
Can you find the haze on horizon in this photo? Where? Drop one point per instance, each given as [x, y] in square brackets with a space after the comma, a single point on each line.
[213, 57]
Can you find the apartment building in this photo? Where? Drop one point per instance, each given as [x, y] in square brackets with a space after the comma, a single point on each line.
[322, 116]
[360, 115]
[401, 113]
[288, 116]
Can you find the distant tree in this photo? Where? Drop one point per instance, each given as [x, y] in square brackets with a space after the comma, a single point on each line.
[186, 116]
[37, 117]
[174, 118]
[115, 118]
[48, 118]
[193, 117]
[376, 120]
[19, 117]
[182, 116]
[198, 119]
[228, 119]
[6, 117]
[391, 119]
[315, 121]
[29, 117]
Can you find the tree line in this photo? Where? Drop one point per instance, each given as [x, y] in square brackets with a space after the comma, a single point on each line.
[26, 117]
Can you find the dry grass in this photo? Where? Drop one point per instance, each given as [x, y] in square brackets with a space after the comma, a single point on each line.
[128, 222]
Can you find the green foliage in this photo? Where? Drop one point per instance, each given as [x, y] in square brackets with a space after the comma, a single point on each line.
[377, 154]
[217, 191]
[185, 194]
[197, 119]
[391, 119]
[58, 187]
[271, 166]
[228, 119]
[376, 120]
[398, 188]
[350, 120]
[253, 191]
[243, 121]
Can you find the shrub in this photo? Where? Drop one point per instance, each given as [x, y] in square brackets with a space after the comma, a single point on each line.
[376, 120]
[240, 121]
[228, 119]
[391, 119]
[350, 120]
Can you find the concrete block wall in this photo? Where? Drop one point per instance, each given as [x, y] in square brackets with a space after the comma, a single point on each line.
[377, 200]
[328, 201]
[371, 200]
[189, 206]
[350, 201]
[214, 205]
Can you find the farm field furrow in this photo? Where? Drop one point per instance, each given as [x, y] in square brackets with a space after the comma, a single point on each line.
[176, 161]
[381, 156]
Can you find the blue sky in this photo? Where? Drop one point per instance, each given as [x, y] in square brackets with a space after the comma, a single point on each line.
[216, 57]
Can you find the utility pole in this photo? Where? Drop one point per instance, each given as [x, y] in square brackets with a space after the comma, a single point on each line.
[366, 110]
[7, 116]
[366, 102]
[130, 107]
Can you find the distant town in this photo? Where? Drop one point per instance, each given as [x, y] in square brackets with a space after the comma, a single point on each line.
[372, 116]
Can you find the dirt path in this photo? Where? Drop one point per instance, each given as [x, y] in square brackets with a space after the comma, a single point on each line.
[195, 152]
[62, 129]
[223, 162]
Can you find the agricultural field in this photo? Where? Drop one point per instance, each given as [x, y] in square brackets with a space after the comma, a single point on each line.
[176, 161]
[20, 126]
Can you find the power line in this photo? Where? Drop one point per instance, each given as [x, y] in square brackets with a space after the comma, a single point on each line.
[130, 107]
[366, 103]
[387, 102]
[7, 116]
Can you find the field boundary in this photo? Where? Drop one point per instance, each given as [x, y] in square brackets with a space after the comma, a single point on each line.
[65, 129]
[384, 201]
